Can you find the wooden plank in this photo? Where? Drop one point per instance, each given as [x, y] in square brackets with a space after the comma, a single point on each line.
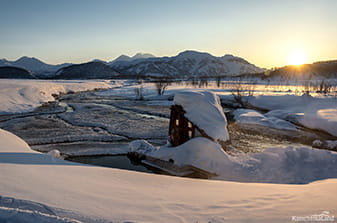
[171, 168]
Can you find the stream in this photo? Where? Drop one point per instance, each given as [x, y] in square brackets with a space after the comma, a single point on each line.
[93, 129]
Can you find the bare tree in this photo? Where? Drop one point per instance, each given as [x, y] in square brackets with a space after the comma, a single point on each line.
[240, 89]
[218, 81]
[139, 90]
[161, 86]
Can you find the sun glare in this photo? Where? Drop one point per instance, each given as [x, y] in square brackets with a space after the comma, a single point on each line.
[296, 58]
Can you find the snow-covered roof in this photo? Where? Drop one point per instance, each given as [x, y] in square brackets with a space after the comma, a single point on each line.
[203, 109]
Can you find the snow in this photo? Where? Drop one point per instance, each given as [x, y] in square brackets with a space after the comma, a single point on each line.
[42, 188]
[141, 146]
[187, 64]
[28, 216]
[250, 116]
[55, 153]
[314, 113]
[326, 144]
[24, 96]
[274, 165]
[200, 152]
[332, 144]
[203, 108]
[59, 191]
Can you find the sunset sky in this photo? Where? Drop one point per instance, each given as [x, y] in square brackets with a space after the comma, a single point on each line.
[266, 33]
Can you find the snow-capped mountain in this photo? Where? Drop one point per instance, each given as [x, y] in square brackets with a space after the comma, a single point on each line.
[4, 62]
[98, 60]
[187, 64]
[34, 65]
[127, 58]
[142, 56]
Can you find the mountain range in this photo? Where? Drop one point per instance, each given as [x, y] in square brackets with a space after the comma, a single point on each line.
[188, 64]
[33, 65]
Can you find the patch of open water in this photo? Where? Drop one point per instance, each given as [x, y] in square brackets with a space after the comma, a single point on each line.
[119, 162]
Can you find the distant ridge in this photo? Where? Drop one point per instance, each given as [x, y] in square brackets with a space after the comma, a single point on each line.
[327, 69]
[127, 58]
[90, 70]
[15, 72]
[33, 65]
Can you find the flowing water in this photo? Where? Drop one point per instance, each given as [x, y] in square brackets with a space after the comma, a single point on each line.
[83, 124]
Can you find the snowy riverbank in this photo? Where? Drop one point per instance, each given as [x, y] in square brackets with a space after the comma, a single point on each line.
[26, 95]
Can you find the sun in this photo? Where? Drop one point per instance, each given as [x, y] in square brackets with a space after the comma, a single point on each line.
[296, 58]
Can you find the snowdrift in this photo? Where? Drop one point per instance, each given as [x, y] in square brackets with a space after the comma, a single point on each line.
[314, 113]
[45, 192]
[294, 165]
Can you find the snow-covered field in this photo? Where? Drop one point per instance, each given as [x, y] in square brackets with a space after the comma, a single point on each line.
[313, 112]
[39, 188]
[25, 95]
[36, 187]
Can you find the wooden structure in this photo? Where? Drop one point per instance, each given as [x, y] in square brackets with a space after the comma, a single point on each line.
[181, 129]
[169, 168]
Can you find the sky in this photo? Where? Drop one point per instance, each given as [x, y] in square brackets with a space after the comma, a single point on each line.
[263, 32]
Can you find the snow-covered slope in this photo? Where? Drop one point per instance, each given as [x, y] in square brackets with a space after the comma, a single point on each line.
[25, 95]
[34, 65]
[35, 188]
[4, 62]
[187, 64]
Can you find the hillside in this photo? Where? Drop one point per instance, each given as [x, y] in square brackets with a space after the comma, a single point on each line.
[91, 70]
[327, 69]
[15, 72]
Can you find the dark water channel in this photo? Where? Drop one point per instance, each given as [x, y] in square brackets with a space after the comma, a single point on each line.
[115, 161]
[83, 122]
